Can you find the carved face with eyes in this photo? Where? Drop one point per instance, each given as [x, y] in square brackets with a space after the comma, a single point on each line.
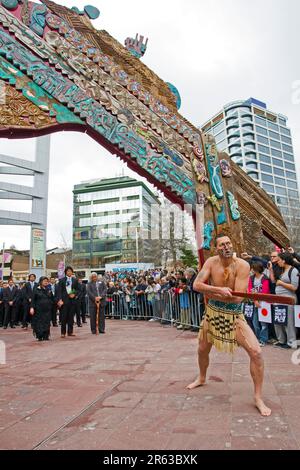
[224, 247]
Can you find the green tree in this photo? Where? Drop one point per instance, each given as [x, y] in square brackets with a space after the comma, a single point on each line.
[188, 258]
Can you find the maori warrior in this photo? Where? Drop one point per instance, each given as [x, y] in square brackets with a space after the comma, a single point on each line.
[224, 325]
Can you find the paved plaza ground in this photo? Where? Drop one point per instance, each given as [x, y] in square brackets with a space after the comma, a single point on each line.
[126, 390]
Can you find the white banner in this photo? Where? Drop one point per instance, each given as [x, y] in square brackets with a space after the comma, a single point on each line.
[265, 313]
[38, 248]
[297, 316]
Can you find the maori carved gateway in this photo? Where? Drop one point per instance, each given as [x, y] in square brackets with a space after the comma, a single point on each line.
[60, 73]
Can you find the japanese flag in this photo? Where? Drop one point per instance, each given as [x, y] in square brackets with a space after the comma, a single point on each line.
[265, 313]
[297, 316]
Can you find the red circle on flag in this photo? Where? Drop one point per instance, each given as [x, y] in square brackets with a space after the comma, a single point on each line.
[264, 312]
[299, 316]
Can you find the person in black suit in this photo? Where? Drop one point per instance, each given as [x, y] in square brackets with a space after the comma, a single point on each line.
[20, 305]
[67, 294]
[41, 310]
[96, 291]
[10, 296]
[81, 305]
[53, 286]
[1, 304]
[27, 293]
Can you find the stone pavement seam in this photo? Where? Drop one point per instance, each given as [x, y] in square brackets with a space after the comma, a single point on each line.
[97, 401]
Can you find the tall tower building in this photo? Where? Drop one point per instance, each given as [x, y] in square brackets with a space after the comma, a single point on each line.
[260, 141]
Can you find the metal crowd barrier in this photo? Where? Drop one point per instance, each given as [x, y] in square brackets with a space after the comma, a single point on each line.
[184, 311]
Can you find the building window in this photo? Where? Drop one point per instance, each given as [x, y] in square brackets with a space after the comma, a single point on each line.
[246, 119]
[288, 157]
[249, 146]
[276, 153]
[247, 127]
[290, 175]
[281, 191]
[275, 144]
[264, 158]
[280, 181]
[231, 121]
[82, 235]
[222, 145]
[278, 171]
[253, 175]
[293, 194]
[267, 178]
[130, 198]
[282, 121]
[261, 130]
[274, 135]
[281, 200]
[292, 184]
[232, 139]
[289, 166]
[268, 187]
[263, 149]
[260, 121]
[220, 136]
[277, 162]
[285, 131]
[232, 112]
[251, 156]
[219, 127]
[273, 126]
[266, 168]
[286, 140]
[263, 140]
[252, 166]
[287, 148]
[248, 136]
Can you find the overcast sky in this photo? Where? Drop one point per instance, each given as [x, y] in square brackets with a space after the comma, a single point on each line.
[213, 52]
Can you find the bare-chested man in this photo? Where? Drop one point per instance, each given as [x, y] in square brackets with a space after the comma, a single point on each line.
[224, 325]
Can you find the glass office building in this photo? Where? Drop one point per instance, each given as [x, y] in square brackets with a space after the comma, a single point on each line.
[260, 141]
[110, 217]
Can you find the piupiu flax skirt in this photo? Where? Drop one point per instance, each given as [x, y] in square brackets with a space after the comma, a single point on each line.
[219, 325]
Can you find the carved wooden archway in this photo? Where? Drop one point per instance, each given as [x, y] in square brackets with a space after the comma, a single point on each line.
[63, 74]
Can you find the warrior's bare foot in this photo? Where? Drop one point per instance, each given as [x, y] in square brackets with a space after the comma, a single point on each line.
[262, 408]
[198, 383]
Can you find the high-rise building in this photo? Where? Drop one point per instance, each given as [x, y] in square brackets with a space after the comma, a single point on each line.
[260, 141]
[110, 219]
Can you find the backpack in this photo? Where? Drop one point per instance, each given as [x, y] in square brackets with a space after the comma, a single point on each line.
[298, 288]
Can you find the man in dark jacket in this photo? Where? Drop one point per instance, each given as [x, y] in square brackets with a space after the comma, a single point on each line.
[10, 296]
[27, 296]
[67, 294]
[53, 286]
[81, 305]
[96, 291]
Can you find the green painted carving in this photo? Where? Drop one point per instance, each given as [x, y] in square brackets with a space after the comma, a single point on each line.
[38, 18]
[10, 4]
[35, 94]
[214, 170]
[208, 235]
[234, 206]
[222, 219]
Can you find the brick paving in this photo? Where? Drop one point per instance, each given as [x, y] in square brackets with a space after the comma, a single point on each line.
[126, 390]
